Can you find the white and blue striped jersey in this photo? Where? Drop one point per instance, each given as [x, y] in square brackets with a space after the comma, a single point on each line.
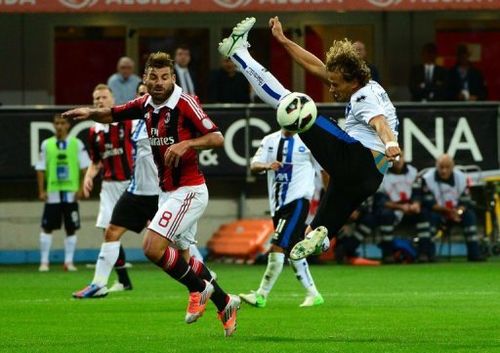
[368, 102]
[295, 179]
[144, 180]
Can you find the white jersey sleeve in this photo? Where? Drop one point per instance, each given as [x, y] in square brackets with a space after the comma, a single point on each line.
[365, 104]
[317, 167]
[262, 154]
[83, 156]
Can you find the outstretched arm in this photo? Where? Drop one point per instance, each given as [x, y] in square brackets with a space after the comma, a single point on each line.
[307, 60]
[101, 115]
[392, 150]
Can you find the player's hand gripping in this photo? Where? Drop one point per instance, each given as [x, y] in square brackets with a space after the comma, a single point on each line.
[274, 166]
[392, 152]
[175, 152]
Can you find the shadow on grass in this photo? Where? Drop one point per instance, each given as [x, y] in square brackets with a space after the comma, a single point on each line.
[383, 340]
[317, 339]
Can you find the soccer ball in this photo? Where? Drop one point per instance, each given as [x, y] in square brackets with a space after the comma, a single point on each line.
[296, 112]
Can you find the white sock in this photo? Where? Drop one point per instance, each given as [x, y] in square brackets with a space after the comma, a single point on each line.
[265, 85]
[274, 267]
[105, 262]
[69, 248]
[195, 252]
[45, 243]
[301, 269]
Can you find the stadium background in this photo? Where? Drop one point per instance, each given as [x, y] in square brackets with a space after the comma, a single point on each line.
[54, 55]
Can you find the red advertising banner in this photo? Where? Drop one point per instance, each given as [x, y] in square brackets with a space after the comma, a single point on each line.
[87, 6]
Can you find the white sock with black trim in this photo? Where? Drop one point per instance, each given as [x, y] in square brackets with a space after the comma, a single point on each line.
[301, 269]
[273, 270]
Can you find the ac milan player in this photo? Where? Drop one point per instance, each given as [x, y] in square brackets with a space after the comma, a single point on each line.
[177, 126]
[110, 148]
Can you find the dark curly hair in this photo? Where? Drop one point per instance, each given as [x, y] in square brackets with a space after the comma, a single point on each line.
[343, 57]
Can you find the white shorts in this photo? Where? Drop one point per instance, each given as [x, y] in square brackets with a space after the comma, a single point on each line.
[178, 214]
[109, 195]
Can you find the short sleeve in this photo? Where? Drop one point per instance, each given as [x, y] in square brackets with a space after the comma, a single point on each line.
[317, 167]
[83, 156]
[365, 106]
[193, 111]
[262, 154]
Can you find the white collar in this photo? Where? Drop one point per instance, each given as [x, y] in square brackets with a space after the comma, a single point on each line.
[171, 101]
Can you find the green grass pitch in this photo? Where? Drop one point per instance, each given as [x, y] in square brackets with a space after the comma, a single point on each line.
[443, 307]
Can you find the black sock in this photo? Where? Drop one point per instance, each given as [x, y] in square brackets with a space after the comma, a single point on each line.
[219, 297]
[121, 271]
[176, 267]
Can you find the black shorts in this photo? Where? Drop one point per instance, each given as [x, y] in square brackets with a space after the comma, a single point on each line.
[55, 213]
[353, 173]
[290, 223]
[134, 211]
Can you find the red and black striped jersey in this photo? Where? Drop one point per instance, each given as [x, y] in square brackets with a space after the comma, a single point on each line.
[179, 118]
[111, 144]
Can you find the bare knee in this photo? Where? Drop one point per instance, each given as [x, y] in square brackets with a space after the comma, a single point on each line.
[154, 246]
[276, 248]
[113, 233]
[147, 247]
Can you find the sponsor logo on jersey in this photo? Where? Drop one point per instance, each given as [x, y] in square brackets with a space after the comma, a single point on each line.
[156, 140]
[360, 99]
[207, 124]
[111, 151]
[162, 141]
[281, 177]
